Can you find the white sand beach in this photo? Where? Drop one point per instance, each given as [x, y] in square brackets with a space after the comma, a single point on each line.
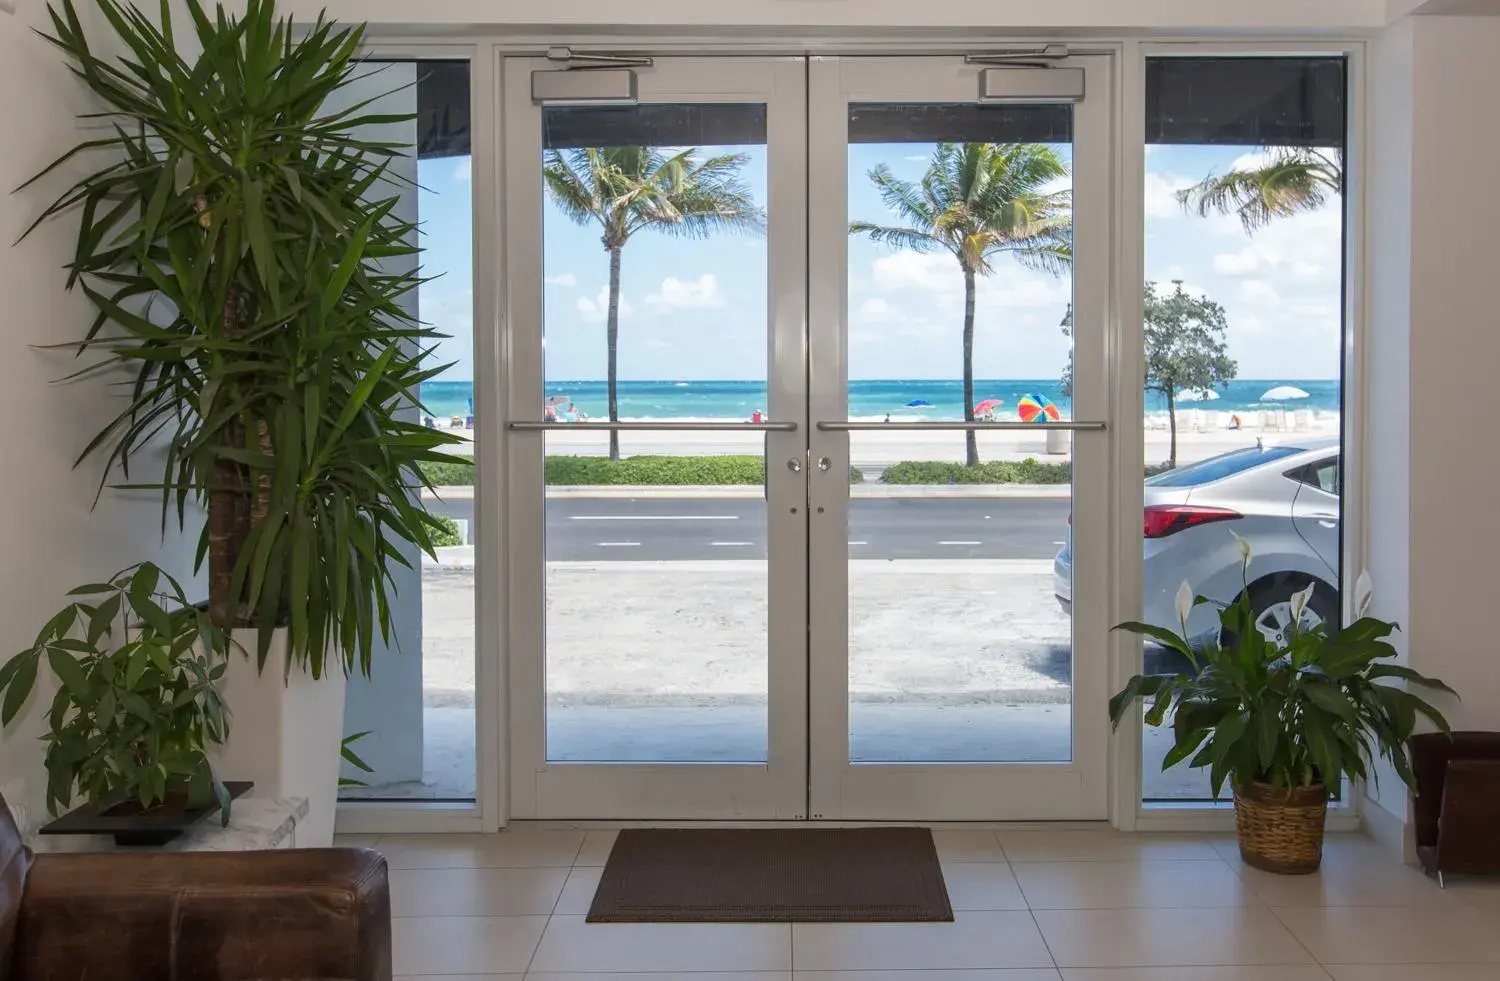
[1200, 435]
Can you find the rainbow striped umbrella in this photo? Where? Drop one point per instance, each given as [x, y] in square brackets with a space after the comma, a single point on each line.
[1037, 408]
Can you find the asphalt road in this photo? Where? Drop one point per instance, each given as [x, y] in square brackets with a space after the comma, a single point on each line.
[591, 529]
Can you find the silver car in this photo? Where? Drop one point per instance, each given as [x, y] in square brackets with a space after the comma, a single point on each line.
[1283, 498]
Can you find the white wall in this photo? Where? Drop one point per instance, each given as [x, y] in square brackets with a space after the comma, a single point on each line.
[1007, 15]
[1435, 546]
[52, 540]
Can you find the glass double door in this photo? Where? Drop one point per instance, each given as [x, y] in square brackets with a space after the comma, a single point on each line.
[805, 456]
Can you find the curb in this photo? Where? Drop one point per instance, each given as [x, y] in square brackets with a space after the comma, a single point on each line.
[755, 492]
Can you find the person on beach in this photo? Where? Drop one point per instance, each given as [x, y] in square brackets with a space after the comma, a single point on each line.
[1234, 423]
[549, 413]
[756, 416]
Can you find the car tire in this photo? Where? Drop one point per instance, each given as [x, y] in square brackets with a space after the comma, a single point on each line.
[1278, 590]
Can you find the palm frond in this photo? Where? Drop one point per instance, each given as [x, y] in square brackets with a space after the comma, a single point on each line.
[900, 238]
[1292, 181]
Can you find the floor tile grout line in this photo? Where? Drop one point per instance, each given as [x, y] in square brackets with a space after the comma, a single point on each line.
[1038, 927]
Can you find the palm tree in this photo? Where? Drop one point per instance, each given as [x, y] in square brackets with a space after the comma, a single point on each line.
[976, 201]
[629, 188]
[1292, 180]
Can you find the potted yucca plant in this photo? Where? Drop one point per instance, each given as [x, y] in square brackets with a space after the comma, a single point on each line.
[240, 237]
[1282, 723]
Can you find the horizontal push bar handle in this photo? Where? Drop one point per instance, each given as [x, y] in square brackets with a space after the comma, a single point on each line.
[663, 426]
[866, 427]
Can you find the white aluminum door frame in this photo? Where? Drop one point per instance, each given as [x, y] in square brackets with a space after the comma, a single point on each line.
[839, 790]
[777, 788]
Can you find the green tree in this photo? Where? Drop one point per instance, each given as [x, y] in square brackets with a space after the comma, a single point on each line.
[626, 189]
[1292, 180]
[977, 201]
[1186, 348]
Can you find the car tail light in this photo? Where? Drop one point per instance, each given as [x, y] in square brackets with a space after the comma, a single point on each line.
[1168, 519]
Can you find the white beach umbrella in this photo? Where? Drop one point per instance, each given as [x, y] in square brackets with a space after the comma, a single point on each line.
[1197, 395]
[1282, 393]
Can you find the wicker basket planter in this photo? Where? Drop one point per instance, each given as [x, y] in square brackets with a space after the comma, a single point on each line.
[1281, 830]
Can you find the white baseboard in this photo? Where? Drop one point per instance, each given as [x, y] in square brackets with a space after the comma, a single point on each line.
[1386, 828]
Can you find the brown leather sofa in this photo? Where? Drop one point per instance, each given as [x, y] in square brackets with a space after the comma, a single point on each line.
[295, 915]
[1456, 817]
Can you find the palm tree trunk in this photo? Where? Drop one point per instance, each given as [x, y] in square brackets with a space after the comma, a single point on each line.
[228, 509]
[612, 335]
[971, 440]
[1172, 421]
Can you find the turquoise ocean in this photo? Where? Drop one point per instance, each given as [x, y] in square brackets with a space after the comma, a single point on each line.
[871, 399]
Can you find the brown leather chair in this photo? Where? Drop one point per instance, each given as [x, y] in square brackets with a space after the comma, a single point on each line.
[1457, 806]
[294, 915]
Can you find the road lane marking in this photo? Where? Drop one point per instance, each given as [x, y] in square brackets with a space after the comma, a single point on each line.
[729, 544]
[960, 543]
[653, 517]
[617, 544]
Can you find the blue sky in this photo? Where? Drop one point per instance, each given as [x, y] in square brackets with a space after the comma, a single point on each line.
[697, 309]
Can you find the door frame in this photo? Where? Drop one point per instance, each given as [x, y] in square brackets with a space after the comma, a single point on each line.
[775, 789]
[840, 790]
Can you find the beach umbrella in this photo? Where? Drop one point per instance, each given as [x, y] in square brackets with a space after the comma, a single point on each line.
[1037, 408]
[918, 404]
[987, 406]
[1282, 393]
[1197, 395]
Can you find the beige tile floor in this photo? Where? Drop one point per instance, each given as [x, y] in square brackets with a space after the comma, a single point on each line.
[1064, 905]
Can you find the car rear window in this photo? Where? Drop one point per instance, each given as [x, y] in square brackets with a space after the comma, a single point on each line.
[1219, 467]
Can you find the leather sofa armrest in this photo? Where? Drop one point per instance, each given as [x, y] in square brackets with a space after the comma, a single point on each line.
[1467, 841]
[206, 916]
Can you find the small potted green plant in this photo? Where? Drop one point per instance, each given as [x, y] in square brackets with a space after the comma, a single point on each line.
[137, 708]
[1283, 722]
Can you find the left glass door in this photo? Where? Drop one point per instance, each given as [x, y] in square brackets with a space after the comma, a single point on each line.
[656, 412]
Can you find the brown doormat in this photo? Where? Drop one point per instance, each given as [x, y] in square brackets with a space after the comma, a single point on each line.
[792, 875]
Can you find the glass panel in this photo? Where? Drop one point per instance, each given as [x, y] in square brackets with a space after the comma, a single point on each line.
[418, 709]
[1244, 342]
[655, 308]
[960, 648]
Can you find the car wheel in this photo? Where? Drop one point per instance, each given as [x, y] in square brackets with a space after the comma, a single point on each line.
[1272, 603]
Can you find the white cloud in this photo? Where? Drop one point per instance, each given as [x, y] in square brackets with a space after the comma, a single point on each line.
[1161, 194]
[678, 294]
[561, 279]
[1253, 161]
[597, 309]
[1246, 261]
[1259, 292]
[875, 310]
[937, 274]
[464, 170]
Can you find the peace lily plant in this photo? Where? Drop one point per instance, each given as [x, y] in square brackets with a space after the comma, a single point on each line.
[1283, 720]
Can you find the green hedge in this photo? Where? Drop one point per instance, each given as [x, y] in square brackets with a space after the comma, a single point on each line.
[1026, 471]
[455, 474]
[447, 534]
[594, 471]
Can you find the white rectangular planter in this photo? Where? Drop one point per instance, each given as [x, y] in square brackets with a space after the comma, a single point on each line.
[284, 734]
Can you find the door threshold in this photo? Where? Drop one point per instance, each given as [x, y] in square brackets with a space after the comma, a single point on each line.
[608, 825]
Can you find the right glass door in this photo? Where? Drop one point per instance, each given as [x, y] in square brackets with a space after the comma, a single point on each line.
[959, 240]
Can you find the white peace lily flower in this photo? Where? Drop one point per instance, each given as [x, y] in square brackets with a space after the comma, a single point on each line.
[1244, 546]
[1363, 592]
[1299, 603]
[1184, 604]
